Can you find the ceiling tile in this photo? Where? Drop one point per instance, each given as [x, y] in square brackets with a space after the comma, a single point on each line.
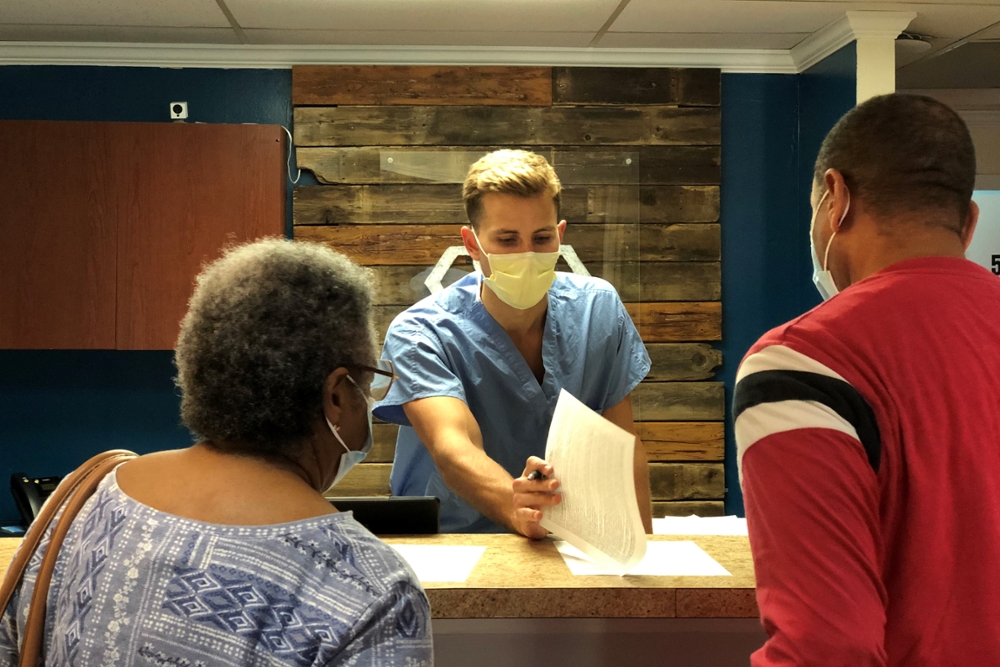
[727, 40]
[989, 34]
[720, 16]
[89, 33]
[429, 15]
[419, 38]
[953, 22]
[175, 13]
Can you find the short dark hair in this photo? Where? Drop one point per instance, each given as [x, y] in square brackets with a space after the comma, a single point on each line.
[268, 322]
[903, 154]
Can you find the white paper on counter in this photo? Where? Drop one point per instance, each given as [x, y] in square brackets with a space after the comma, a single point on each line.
[438, 562]
[696, 525]
[663, 559]
[592, 459]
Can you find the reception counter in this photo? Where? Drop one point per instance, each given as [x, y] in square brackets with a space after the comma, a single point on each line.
[521, 605]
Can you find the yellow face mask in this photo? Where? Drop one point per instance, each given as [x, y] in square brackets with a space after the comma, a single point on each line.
[520, 279]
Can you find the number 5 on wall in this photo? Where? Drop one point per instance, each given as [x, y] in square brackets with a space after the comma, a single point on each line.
[996, 264]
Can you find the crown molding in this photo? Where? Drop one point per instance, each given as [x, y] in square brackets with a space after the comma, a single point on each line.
[852, 26]
[826, 41]
[770, 61]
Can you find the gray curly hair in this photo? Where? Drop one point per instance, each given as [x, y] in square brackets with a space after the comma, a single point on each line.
[268, 322]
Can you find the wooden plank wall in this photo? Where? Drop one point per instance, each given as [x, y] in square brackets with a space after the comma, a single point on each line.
[638, 153]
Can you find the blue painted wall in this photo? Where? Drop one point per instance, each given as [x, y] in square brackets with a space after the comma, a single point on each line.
[772, 128]
[59, 407]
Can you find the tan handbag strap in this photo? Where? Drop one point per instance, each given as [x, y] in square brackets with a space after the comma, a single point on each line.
[80, 485]
[41, 524]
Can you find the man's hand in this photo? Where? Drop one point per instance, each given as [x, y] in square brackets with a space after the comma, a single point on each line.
[531, 494]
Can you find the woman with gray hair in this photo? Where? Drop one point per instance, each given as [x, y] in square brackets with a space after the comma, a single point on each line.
[227, 553]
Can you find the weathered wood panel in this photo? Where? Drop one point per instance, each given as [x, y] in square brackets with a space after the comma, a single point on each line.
[679, 401]
[403, 245]
[689, 507]
[687, 481]
[682, 361]
[575, 165]
[682, 441]
[636, 85]
[484, 125]
[421, 84]
[386, 244]
[660, 281]
[672, 281]
[405, 203]
[383, 317]
[665, 322]
[364, 479]
[383, 443]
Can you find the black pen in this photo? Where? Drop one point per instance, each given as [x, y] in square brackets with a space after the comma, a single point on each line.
[535, 475]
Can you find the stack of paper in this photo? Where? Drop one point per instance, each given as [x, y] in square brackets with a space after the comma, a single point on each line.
[664, 559]
[432, 562]
[599, 513]
[696, 525]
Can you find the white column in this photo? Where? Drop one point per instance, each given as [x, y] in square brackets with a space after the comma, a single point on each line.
[875, 33]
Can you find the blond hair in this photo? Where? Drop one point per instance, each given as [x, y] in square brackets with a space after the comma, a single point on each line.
[510, 172]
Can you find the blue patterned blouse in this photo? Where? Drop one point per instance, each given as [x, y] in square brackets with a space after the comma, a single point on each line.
[136, 586]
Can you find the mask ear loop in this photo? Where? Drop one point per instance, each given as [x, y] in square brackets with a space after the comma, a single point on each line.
[826, 255]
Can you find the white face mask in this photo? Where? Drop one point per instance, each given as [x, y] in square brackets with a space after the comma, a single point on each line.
[352, 457]
[520, 279]
[822, 277]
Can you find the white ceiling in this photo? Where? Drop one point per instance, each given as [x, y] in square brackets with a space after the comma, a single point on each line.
[602, 24]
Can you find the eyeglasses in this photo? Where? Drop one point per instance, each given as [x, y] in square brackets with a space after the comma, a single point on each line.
[382, 382]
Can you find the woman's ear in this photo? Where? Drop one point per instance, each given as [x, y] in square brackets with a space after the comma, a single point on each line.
[334, 395]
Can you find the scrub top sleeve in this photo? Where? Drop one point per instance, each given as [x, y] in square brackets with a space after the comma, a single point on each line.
[422, 370]
[631, 361]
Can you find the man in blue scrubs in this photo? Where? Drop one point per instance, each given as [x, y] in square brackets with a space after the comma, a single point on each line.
[480, 364]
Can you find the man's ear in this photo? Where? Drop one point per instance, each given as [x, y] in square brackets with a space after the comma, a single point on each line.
[561, 228]
[971, 220]
[469, 240]
[839, 200]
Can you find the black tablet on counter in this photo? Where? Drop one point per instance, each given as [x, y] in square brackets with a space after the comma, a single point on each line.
[396, 515]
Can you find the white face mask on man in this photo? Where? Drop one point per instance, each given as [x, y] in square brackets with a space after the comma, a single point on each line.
[822, 277]
[520, 279]
[352, 457]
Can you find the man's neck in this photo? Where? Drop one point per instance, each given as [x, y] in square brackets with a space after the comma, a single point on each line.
[882, 251]
[517, 323]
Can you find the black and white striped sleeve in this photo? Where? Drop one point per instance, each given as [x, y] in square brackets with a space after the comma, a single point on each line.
[779, 390]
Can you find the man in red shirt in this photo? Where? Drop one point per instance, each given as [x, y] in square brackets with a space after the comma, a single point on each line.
[868, 429]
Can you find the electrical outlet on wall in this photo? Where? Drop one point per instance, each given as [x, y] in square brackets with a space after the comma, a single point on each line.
[178, 110]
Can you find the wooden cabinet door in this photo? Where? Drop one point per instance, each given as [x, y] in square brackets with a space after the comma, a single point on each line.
[196, 189]
[58, 217]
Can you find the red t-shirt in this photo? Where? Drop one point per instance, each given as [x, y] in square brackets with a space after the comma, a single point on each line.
[868, 433]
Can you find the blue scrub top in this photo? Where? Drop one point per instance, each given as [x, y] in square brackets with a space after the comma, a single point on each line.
[449, 345]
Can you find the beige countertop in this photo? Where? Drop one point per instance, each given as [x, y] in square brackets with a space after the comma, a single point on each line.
[520, 578]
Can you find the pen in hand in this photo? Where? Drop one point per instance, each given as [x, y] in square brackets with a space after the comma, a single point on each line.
[535, 475]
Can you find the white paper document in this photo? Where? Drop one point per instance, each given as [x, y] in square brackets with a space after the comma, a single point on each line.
[700, 525]
[663, 559]
[440, 562]
[599, 513]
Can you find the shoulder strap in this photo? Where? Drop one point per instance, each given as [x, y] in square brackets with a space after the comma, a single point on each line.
[80, 484]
